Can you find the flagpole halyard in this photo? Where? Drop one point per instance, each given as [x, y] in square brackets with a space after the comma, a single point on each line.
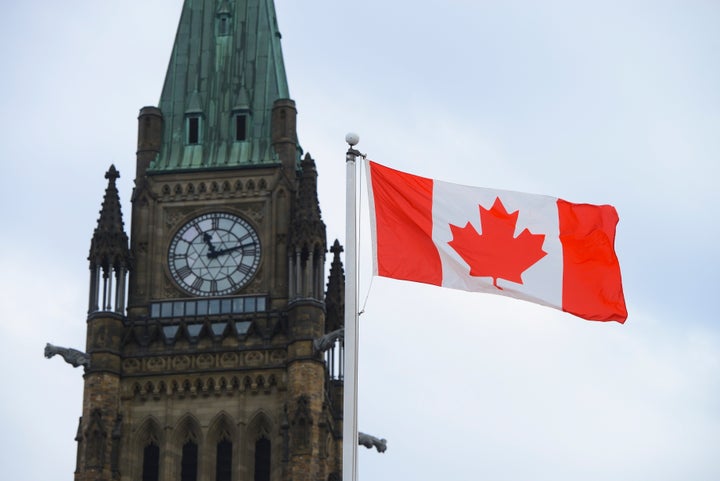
[350, 382]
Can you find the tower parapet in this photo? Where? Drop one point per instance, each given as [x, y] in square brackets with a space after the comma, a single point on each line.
[150, 125]
[284, 133]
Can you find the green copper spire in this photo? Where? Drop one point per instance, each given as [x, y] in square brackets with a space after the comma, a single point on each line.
[225, 72]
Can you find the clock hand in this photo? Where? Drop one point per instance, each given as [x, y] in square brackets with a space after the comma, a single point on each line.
[214, 253]
[207, 238]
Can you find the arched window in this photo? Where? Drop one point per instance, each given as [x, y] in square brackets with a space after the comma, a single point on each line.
[151, 462]
[223, 464]
[189, 462]
[262, 459]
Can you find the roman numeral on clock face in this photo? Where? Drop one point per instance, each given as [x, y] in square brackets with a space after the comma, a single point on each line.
[184, 271]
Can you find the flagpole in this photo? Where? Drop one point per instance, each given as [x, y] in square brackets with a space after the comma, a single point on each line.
[350, 380]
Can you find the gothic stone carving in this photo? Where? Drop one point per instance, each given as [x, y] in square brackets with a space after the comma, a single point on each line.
[372, 442]
[71, 356]
[323, 343]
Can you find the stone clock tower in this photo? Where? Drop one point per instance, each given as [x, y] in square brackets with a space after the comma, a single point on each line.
[202, 364]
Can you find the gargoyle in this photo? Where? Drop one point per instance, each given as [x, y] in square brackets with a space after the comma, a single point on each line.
[327, 341]
[371, 441]
[72, 356]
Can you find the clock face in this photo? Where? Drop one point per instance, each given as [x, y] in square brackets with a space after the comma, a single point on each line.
[214, 254]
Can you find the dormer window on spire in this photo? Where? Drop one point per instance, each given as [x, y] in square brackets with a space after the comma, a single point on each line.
[223, 24]
[241, 114]
[193, 129]
[242, 124]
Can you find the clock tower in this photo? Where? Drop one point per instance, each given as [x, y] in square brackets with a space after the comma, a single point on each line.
[201, 328]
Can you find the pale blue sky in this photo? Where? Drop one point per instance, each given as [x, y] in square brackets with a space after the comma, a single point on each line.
[603, 102]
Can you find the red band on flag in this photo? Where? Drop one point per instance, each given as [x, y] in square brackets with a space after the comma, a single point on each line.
[403, 223]
[592, 285]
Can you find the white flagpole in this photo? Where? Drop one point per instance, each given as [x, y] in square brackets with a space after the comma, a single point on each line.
[350, 380]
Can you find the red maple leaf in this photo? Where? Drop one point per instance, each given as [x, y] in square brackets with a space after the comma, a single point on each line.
[497, 253]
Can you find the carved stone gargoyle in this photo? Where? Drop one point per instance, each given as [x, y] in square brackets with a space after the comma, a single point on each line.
[71, 356]
[327, 341]
[372, 442]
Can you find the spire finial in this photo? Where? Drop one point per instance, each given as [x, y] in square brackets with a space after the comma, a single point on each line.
[112, 174]
[109, 245]
[336, 248]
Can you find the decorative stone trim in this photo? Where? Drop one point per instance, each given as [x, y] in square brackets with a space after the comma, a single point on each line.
[181, 387]
[226, 189]
[204, 361]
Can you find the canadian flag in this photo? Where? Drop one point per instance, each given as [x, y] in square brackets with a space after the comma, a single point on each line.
[532, 247]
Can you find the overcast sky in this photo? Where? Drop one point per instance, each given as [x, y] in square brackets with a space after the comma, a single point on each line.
[593, 101]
